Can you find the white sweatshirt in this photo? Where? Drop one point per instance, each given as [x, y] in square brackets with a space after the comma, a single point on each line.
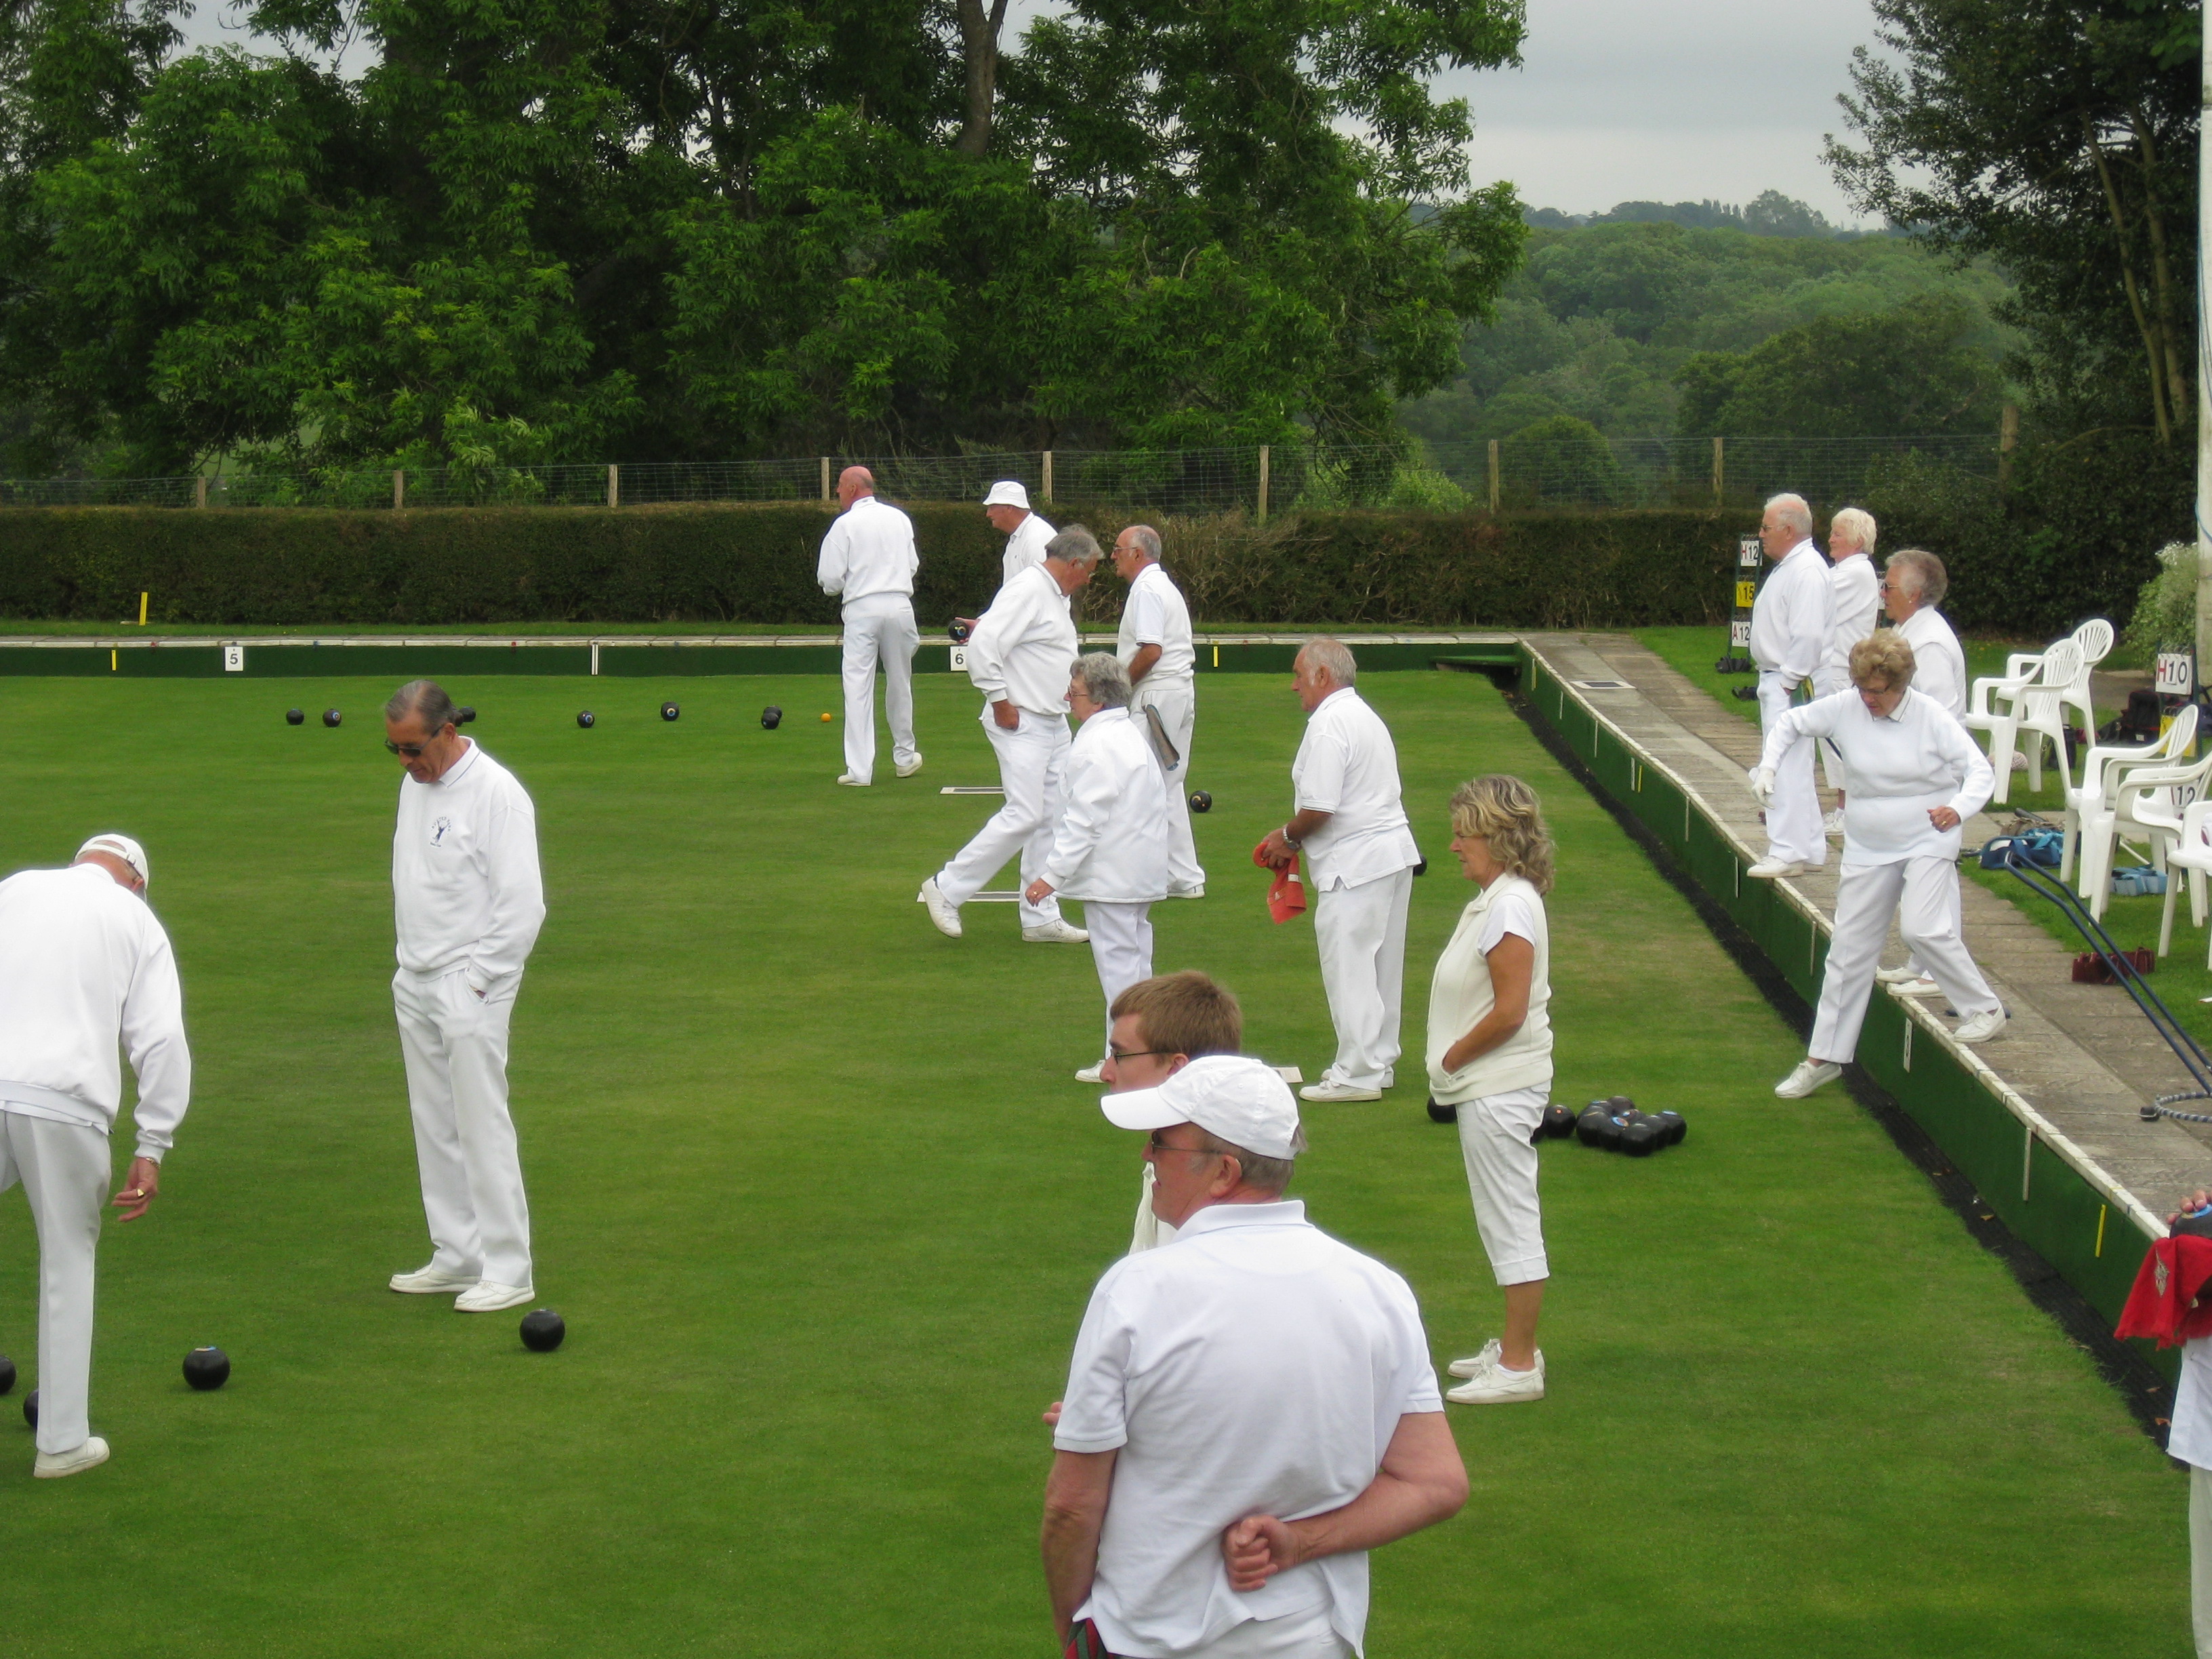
[1855, 594]
[1155, 614]
[84, 966]
[1894, 770]
[1939, 667]
[1025, 548]
[869, 550]
[1111, 846]
[464, 884]
[1024, 647]
[1793, 615]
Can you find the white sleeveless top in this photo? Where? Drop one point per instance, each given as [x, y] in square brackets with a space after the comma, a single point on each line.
[1460, 995]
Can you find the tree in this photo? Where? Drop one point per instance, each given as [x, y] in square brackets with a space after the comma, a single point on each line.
[2059, 137]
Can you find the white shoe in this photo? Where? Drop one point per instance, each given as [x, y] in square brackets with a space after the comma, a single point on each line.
[2019, 762]
[1769, 868]
[1331, 1088]
[1496, 1386]
[1196, 891]
[1092, 1073]
[1982, 1027]
[942, 910]
[432, 1280]
[1810, 1074]
[489, 1297]
[1056, 932]
[1899, 976]
[1916, 985]
[1389, 1077]
[1833, 823]
[908, 769]
[52, 1466]
[857, 783]
[1480, 1362]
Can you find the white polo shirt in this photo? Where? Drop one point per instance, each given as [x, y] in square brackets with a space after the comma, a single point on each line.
[869, 550]
[1025, 547]
[1347, 767]
[1024, 647]
[1155, 614]
[1255, 1366]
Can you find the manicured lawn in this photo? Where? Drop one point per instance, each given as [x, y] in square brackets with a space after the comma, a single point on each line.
[821, 1203]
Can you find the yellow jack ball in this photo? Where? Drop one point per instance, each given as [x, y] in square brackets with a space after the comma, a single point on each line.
[825, 717]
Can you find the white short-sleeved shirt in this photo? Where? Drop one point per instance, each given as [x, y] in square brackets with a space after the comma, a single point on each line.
[1509, 916]
[1025, 546]
[1155, 614]
[1254, 1365]
[1347, 767]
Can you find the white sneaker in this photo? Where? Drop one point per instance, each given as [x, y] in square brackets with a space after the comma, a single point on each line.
[1092, 1073]
[1810, 1074]
[856, 783]
[1899, 976]
[1833, 823]
[1331, 1088]
[1916, 985]
[1768, 869]
[1389, 1077]
[1056, 933]
[908, 769]
[432, 1280]
[1982, 1027]
[52, 1466]
[1480, 1362]
[489, 1297]
[1196, 891]
[1496, 1386]
[942, 910]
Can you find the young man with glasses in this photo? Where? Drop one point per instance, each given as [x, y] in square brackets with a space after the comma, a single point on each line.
[1159, 1026]
[468, 901]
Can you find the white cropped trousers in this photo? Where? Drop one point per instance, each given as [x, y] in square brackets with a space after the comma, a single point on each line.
[64, 1169]
[1793, 820]
[1031, 757]
[1922, 893]
[1177, 702]
[1501, 1178]
[455, 1047]
[880, 628]
[1361, 932]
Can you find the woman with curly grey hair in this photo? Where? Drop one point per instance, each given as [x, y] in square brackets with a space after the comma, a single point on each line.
[1490, 1058]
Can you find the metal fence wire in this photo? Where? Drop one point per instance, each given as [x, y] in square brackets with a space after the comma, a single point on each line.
[1568, 470]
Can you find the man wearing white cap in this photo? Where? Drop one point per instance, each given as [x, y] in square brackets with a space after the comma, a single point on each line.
[1007, 507]
[84, 966]
[468, 901]
[868, 563]
[1110, 847]
[1156, 646]
[1019, 657]
[1249, 1409]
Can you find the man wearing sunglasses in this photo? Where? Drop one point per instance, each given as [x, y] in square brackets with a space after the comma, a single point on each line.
[1249, 1411]
[468, 904]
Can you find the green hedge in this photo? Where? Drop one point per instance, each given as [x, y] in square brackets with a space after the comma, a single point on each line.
[755, 564]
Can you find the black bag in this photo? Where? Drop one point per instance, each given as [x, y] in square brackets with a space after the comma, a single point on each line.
[2139, 722]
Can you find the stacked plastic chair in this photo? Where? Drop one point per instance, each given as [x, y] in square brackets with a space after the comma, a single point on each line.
[2093, 805]
[2033, 706]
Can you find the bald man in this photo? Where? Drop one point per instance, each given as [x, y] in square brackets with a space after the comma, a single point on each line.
[868, 562]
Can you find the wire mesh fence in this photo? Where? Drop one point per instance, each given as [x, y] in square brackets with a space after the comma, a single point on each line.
[1571, 470]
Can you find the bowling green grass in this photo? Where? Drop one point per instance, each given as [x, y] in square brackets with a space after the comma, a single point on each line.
[822, 1204]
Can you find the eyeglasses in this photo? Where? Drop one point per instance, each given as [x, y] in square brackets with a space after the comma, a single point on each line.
[1154, 1146]
[409, 750]
[1140, 1053]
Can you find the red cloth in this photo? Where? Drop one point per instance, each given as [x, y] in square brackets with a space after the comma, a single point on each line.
[1287, 897]
[2171, 1300]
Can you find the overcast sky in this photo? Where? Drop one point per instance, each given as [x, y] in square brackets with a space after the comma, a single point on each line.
[1627, 100]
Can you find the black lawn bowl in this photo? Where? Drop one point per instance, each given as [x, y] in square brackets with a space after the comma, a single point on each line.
[542, 1330]
[1558, 1122]
[7, 1375]
[1640, 1137]
[1675, 1125]
[958, 633]
[587, 719]
[1442, 1114]
[295, 717]
[669, 711]
[771, 717]
[1201, 802]
[464, 714]
[332, 717]
[206, 1369]
[1589, 1127]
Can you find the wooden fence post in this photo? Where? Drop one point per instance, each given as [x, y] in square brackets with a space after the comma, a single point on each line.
[199, 490]
[1263, 483]
[1493, 475]
[1720, 471]
[614, 485]
[825, 477]
[398, 489]
[1048, 473]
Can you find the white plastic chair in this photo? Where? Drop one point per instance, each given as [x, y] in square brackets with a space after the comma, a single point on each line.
[2034, 707]
[2091, 803]
[2095, 637]
[2153, 801]
[2190, 856]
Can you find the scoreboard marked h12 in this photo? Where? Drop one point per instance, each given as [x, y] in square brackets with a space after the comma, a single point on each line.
[1749, 556]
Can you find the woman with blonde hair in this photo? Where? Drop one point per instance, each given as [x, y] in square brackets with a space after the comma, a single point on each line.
[1858, 593]
[1490, 1057]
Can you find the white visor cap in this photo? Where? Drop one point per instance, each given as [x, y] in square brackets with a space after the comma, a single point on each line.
[119, 847]
[1233, 1097]
[1007, 493]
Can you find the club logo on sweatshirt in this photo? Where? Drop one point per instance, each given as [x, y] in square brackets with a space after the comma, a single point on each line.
[438, 831]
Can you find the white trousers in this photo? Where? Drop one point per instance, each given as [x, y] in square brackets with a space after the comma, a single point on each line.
[1922, 895]
[880, 628]
[1177, 702]
[1296, 1636]
[64, 1169]
[1031, 757]
[1793, 821]
[1120, 948]
[1501, 1178]
[456, 1050]
[2200, 1559]
[1361, 932]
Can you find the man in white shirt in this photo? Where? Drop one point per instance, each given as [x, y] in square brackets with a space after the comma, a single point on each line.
[1155, 646]
[467, 902]
[1790, 622]
[1109, 848]
[868, 561]
[1249, 1411]
[1854, 590]
[84, 966]
[1019, 657]
[1350, 822]
[1913, 583]
[1007, 507]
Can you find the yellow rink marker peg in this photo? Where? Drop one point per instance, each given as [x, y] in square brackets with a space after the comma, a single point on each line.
[141, 611]
[111, 661]
[1216, 656]
[2100, 1229]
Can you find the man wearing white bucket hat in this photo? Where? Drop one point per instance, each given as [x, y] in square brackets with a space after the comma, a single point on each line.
[1249, 1409]
[84, 966]
[1007, 507]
